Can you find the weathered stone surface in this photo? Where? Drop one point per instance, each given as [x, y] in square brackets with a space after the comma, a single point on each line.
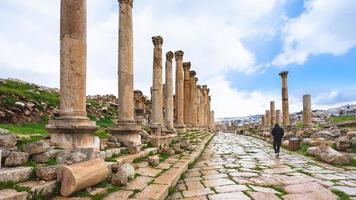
[153, 160]
[229, 196]
[37, 147]
[7, 139]
[263, 196]
[122, 194]
[198, 192]
[11, 194]
[148, 171]
[47, 172]
[128, 169]
[46, 156]
[343, 143]
[153, 191]
[231, 188]
[16, 159]
[43, 187]
[139, 183]
[16, 174]
[81, 175]
[119, 178]
[327, 134]
[329, 155]
[348, 190]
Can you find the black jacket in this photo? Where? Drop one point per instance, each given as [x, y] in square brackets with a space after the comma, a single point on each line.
[277, 132]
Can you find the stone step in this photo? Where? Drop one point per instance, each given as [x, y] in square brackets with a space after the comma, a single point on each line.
[11, 194]
[46, 188]
[16, 174]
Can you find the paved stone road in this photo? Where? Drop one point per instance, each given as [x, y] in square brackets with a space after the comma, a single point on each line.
[240, 167]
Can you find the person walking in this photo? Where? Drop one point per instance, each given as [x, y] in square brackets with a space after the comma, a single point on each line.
[277, 133]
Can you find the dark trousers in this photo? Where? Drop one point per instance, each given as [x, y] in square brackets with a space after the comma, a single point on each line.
[277, 145]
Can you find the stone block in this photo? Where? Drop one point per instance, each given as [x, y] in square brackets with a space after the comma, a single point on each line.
[17, 174]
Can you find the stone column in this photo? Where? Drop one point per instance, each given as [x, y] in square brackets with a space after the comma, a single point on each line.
[187, 103]
[193, 88]
[307, 112]
[209, 111]
[200, 106]
[179, 97]
[278, 117]
[204, 104]
[263, 121]
[267, 118]
[285, 104]
[126, 130]
[169, 92]
[273, 113]
[157, 93]
[73, 129]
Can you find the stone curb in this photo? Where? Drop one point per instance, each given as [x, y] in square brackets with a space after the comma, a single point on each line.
[159, 190]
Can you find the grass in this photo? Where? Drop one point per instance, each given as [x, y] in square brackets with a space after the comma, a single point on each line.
[25, 129]
[341, 195]
[33, 195]
[299, 125]
[303, 149]
[27, 91]
[102, 133]
[338, 119]
[163, 157]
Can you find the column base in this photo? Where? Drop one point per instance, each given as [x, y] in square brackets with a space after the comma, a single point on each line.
[73, 133]
[156, 129]
[164, 140]
[128, 134]
[180, 128]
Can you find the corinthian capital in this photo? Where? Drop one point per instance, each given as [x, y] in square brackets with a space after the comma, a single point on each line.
[179, 55]
[192, 73]
[130, 2]
[157, 41]
[284, 74]
[169, 56]
[186, 66]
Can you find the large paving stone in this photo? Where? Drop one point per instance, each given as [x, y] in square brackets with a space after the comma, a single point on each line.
[139, 183]
[148, 171]
[263, 196]
[194, 185]
[122, 194]
[218, 182]
[348, 190]
[154, 192]
[231, 188]
[198, 192]
[17, 174]
[229, 196]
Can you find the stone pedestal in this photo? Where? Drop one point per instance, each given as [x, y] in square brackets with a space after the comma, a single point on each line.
[285, 103]
[307, 112]
[126, 129]
[73, 129]
[163, 140]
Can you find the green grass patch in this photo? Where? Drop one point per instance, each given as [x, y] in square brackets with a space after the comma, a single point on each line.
[163, 157]
[339, 119]
[102, 133]
[341, 195]
[25, 129]
[303, 149]
[105, 122]
[31, 139]
[28, 92]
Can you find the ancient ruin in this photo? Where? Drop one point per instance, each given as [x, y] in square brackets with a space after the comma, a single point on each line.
[179, 92]
[285, 103]
[126, 130]
[307, 112]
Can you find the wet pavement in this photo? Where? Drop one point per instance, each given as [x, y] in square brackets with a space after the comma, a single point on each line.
[240, 167]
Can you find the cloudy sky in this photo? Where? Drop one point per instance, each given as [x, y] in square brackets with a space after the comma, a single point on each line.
[237, 47]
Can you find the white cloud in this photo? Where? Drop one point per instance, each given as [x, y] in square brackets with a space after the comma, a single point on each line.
[326, 27]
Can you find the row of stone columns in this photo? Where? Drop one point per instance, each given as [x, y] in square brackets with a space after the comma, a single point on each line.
[74, 130]
[272, 116]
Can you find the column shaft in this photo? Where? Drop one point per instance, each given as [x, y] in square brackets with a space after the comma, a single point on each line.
[193, 95]
[273, 113]
[157, 93]
[179, 97]
[187, 103]
[169, 92]
[307, 112]
[285, 104]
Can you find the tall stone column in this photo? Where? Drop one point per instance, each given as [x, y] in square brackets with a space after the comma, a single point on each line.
[273, 113]
[209, 111]
[285, 103]
[157, 93]
[278, 117]
[204, 104]
[169, 92]
[267, 118]
[193, 106]
[263, 121]
[73, 129]
[307, 112]
[126, 130]
[187, 103]
[179, 97]
[200, 106]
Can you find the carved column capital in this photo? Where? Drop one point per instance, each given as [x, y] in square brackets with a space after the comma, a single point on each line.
[179, 55]
[284, 74]
[157, 41]
[169, 56]
[192, 73]
[186, 66]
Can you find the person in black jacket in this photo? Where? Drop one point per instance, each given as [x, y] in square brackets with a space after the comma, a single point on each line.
[277, 133]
